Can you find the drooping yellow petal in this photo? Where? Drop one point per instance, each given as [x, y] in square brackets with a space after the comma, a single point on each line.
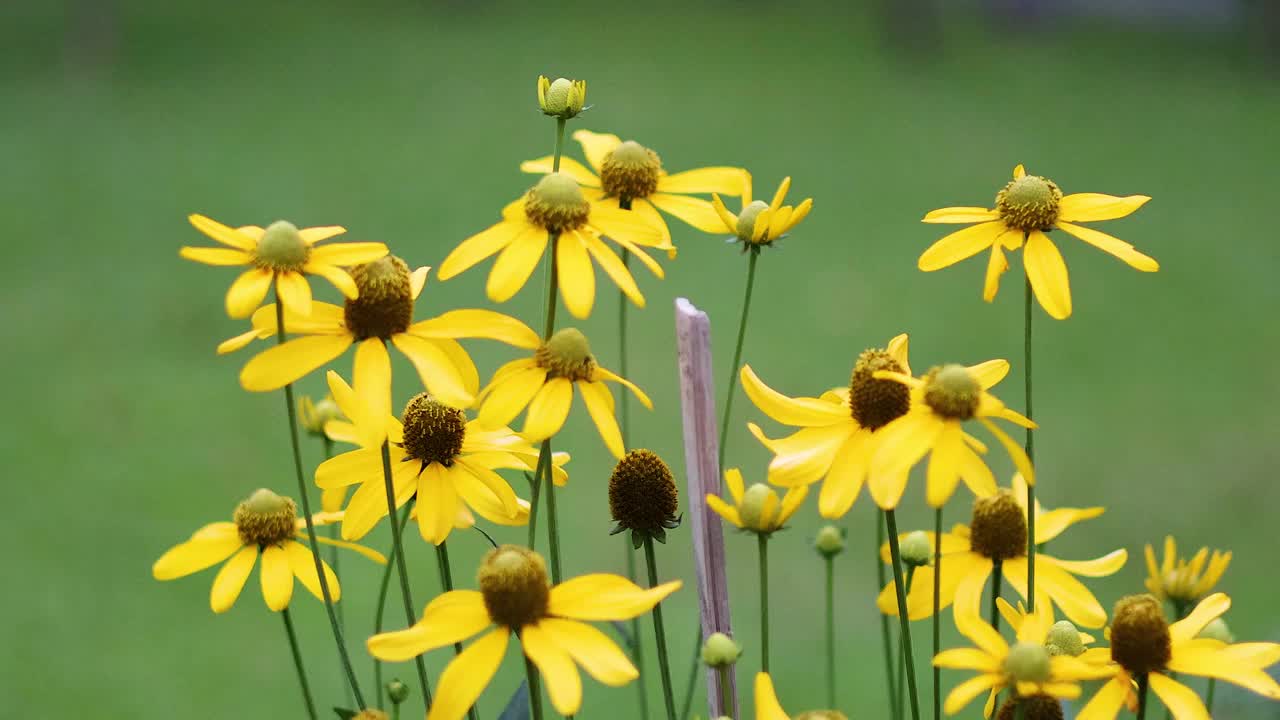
[1051, 523]
[1067, 593]
[846, 475]
[959, 245]
[989, 373]
[696, 212]
[767, 706]
[449, 618]
[1016, 453]
[231, 578]
[370, 430]
[1090, 207]
[437, 503]
[464, 470]
[1106, 704]
[968, 600]
[592, 650]
[1205, 612]
[800, 411]
[336, 276]
[277, 578]
[475, 323]
[943, 471]
[599, 402]
[1112, 245]
[509, 397]
[958, 215]
[1047, 272]
[601, 596]
[1108, 564]
[1219, 663]
[568, 166]
[967, 659]
[791, 502]
[724, 510]
[276, 367]
[514, 265]
[295, 292]
[223, 234]
[468, 675]
[480, 497]
[548, 410]
[302, 564]
[560, 675]
[613, 267]
[730, 181]
[216, 256]
[996, 266]
[901, 443]
[373, 555]
[608, 375]
[577, 276]
[965, 692]
[619, 225]
[805, 456]
[728, 218]
[313, 235]
[372, 377]
[482, 245]
[247, 292]
[1181, 700]
[436, 369]
[595, 146]
[195, 555]
[348, 254]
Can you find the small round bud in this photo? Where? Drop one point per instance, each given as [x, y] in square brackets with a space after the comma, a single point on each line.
[720, 651]
[752, 510]
[314, 415]
[916, 549]
[1027, 662]
[397, 691]
[830, 541]
[1064, 639]
[562, 98]
[281, 247]
[1217, 630]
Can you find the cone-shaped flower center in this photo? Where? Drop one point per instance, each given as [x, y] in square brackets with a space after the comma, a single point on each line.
[1027, 662]
[513, 583]
[1140, 639]
[1064, 639]
[999, 529]
[952, 392]
[1033, 707]
[751, 511]
[556, 203]
[747, 219]
[385, 305]
[433, 431]
[1029, 203]
[875, 403]
[567, 354]
[281, 247]
[265, 518]
[642, 492]
[631, 170]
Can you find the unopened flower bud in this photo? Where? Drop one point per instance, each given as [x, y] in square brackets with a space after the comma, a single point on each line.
[1064, 639]
[915, 549]
[562, 98]
[397, 691]
[720, 651]
[830, 541]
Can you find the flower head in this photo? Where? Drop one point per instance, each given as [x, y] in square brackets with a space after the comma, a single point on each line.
[643, 497]
[516, 597]
[759, 223]
[1180, 581]
[561, 98]
[264, 524]
[1027, 208]
[757, 508]
[283, 254]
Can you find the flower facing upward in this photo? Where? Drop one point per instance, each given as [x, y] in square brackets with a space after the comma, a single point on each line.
[282, 253]
[1180, 581]
[756, 508]
[760, 223]
[630, 174]
[1026, 666]
[561, 98]
[437, 455]
[1143, 643]
[1026, 210]
[544, 384]
[515, 597]
[643, 497]
[382, 314]
[266, 525]
[768, 707]
[998, 533]
[556, 207]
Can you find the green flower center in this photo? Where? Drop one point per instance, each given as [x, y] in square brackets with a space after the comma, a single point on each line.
[513, 583]
[281, 247]
[1029, 203]
[751, 510]
[875, 403]
[952, 392]
[265, 518]
[433, 431]
[1064, 639]
[385, 304]
[630, 171]
[1027, 662]
[747, 220]
[568, 355]
[556, 204]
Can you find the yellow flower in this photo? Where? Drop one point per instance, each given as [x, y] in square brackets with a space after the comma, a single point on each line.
[1027, 666]
[383, 314]
[282, 253]
[562, 98]
[318, 419]
[557, 207]
[1026, 209]
[998, 532]
[760, 223]
[1143, 643]
[544, 384]
[1181, 581]
[941, 402]
[632, 173]
[515, 597]
[437, 455]
[1063, 638]
[266, 525]
[768, 707]
[757, 508]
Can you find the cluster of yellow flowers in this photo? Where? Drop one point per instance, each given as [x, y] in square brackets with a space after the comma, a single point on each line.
[444, 460]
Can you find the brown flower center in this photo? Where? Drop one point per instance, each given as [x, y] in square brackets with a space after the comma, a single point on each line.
[642, 493]
[630, 171]
[1033, 707]
[952, 392]
[999, 528]
[385, 305]
[875, 403]
[433, 431]
[265, 518]
[1029, 203]
[1140, 639]
[556, 203]
[513, 583]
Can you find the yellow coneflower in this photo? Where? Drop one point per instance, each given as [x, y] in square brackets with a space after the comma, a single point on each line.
[1026, 210]
[281, 253]
[515, 596]
[1180, 581]
[760, 223]
[382, 314]
[756, 508]
[998, 533]
[556, 206]
[266, 525]
[628, 173]
[1148, 650]
[545, 385]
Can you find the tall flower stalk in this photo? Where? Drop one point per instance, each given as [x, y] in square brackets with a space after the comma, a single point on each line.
[297, 664]
[1029, 446]
[397, 547]
[899, 584]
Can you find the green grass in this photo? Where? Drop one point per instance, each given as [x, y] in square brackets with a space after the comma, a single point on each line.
[406, 124]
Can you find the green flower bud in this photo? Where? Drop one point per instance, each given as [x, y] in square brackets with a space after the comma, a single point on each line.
[720, 651]
[562, 98]
[916, 550]
[397, 691]
[1027, 662]
[830, 541]
[1064, 639]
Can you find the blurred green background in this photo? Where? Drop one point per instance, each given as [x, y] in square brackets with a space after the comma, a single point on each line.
[406, 121]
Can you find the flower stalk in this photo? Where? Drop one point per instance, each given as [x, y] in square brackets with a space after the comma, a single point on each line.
[297, 664]
[384, 586]
[762, 543]
[664, 666]
[937, 603]
[831, 630]
[904, 620]
[397, 547]
[886, 644]
[753, 255]
[1031, 453]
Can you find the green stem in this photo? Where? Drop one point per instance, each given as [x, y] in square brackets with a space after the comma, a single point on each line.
[383, 587]
[1031, 452]
[754, 253]
[937, 612]
[637, 647]
[902, 647]
[553, 527]
[535, 689]
[997, 579]
[297, 664]
[446, 585]
[762, 543]
[395, 711]
[398, 548]
[1208, 696]
[904, 621]
[664, 666]
[1142, 695]
[726, 688]
[325, 593]
[831, 631]
[885, 642]
[335, 558]
[691, 682]
[555, 157]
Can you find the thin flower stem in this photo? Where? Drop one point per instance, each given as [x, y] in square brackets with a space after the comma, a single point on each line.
[997, 579]
[937, 602]
[535, 689]
[446, 585]
[664, 665]
[727, 701]
[902, 647]
[885, 642]
[1031, 452]
[555, 157]
[297, 664]
[334, 562]
[754, 254]
[325, 594]
[1142, 695]
[691, 682]
[762, 542]
[831, 630]
[543, 472]
[1208, 696]
[398, 548]
[904, 621]
[383, 586]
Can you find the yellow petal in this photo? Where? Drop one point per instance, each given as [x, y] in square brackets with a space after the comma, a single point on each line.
[805, 456]
[996, 266]
[729, 219]
[449, 618]
[961, 215]
[577, 277]
[568, 166]
[1181, 700]
[1108, 564]
[514, 266]
[965, 692]
[313, 235]
[989, 373]
[548, 410]
[467, 675]
[623, 225]
[348, 254]
[507, 398]
[613, 267]
[370, 430]
[846, 476]
[336, 277]
[438, 372]
[1089, 207]
[791, 502]
[1048, 275]
[222, 233]
[247, 292]
[724, 510]
[767, 706]
[1205, 612]
[231, 578]
[276, 367]
[482, 245]
[560, 675]
[1019, 171]
[601, 596]
[967, 659]
[943, 471]
[595, 146]
[302, 563]
[465, 470]
[605, 374]
[277, 578]
[960, 245]
[733, 481]
[473, 323]
[592, 650]
[1016, 453]
[697, 212]
[1220, 663]
[373, 555]
[437, 503]
[216, 256]
[902, 443]
[1106, 704]
[372, 378]
[599, 402]
[195, 555]
[1051, 523]
[801, 411]
[1112, 245]
[730, 181]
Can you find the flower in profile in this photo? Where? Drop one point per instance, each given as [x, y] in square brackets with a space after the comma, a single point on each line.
[324, 419]
[266, 525]
[545, 385]
[516, 597]
[628, 174]
[759, 223]
[757, 508]
[281, 253]
[1027, 666]
[556, 207]
[1180, 581]
[941, 402]
[561, 98]
[998, 533]
[437, 455]
[643, 497]
[1144, 644]
[768, 707]
[1027, 208]
[382, 314]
